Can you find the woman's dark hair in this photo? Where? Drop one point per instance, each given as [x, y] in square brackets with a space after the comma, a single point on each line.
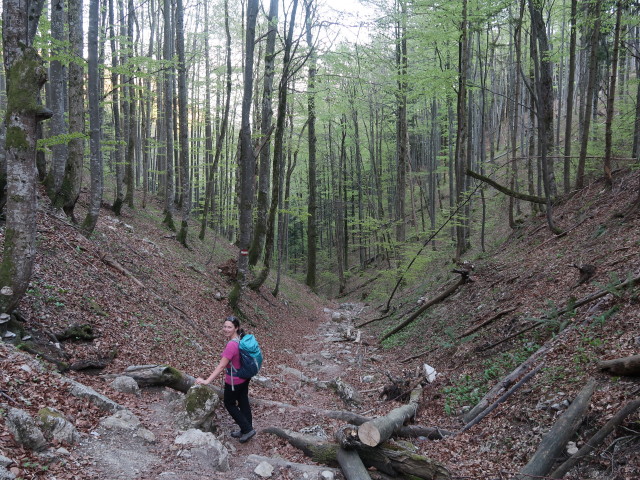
[236, 323]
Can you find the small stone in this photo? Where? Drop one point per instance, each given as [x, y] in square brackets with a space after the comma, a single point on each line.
[264, 470]
[572, 448]
[368, 379]
[327, 475]
[26, 368]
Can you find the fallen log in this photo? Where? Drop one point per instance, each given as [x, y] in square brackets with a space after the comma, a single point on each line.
[504, 396]
[628, 366]
[485, 323]
[391, 458]
[351, 465]
[160, 376]
[596, 440]
[380, 429]
[464, 278]
[500, 387]
[554, 442]
[414, 431]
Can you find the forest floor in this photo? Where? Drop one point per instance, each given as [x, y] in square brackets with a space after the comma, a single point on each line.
[151, 301]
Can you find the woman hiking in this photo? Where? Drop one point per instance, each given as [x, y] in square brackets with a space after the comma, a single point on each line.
[236, 389]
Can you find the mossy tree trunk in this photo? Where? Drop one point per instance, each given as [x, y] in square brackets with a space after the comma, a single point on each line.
[26, 74]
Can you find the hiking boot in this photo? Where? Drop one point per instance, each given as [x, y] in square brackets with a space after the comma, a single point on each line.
[236, 433]
[246, 436]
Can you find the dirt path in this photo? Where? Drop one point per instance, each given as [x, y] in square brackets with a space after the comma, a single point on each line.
[323, 356]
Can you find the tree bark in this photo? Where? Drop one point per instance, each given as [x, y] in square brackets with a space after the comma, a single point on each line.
[554, 442]
[26, 74]
[93, 81]
[379, 430]
[266, 120]
[183, 111]
[351, 465]
[596, 440]
[464, 278]
[160, 376]
[622, 366]
[505, 190]
[389, 458]
[312, 208]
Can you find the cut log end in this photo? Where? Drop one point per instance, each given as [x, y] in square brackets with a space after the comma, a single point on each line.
[369, 435]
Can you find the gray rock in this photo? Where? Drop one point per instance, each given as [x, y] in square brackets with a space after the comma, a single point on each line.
[199, 406]
[82, 391]
[121, 420]
[336, 316]
[206, 447]
[264, 470]
[56, 426]
[125, 385]
[6, 474]
[263, 381]
[24, 430]
[5, 462]
[147, 436]
[327, 475]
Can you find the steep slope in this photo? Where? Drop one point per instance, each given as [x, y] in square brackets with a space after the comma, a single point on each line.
[149, 300]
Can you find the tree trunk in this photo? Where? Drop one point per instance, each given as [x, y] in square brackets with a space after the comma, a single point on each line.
[380, 429]
[622, 366]
[72, 181]
[554, 442]
[266, 120]
[312, 207]
[351, 465]
[247, 158]
[56, 93]
[389, 458]
[160, 376]
[183, 114]
[168, 119]
[570, 89]
[95, 126]
[589, 94]
[611, 97]
[26, 75]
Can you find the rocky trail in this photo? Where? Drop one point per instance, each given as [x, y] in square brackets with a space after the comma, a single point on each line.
[141, 441]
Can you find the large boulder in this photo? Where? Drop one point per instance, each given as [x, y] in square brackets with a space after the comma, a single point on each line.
[25, 430]
[57, 427]
[206, 447]
[199, 404]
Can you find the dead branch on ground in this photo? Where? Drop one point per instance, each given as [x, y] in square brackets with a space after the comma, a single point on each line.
[554, 442]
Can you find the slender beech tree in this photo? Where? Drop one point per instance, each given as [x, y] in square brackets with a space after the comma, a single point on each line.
[592, 75]
[312, 208]
[278, 150]
[611, 96]
[95, 121]
[570, 89]
[26, 74]
[461, 135]
[72, 181]
[183, 114]
[168, 117]
[543, 105]
[402, 129]
[56, 97]
[130, 109]
[266, 120]
[115, 110]
[222, 129]
[246, 159]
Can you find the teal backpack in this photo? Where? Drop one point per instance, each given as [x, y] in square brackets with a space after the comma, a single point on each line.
[250, 358]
